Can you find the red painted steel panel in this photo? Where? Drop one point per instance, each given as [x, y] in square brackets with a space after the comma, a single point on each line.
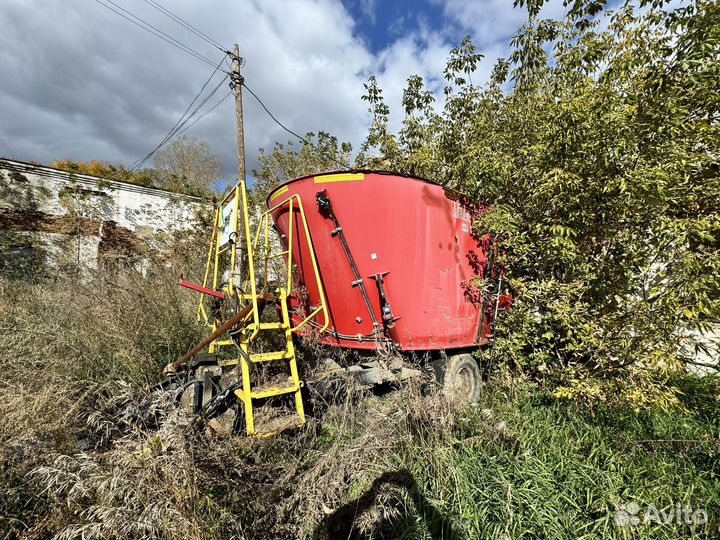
[416, 231]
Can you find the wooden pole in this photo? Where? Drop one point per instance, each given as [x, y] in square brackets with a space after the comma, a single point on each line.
[237, 80]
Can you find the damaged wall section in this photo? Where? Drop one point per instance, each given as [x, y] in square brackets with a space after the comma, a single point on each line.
[74, 221]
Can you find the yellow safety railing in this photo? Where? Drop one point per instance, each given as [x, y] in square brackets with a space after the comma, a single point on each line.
[223, 246]
[293, 202]
[217, 248]
[238, 197]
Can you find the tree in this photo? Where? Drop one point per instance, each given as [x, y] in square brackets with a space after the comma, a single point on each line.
[186, 165]
[598, 153]
[109, 171]
[316, 154]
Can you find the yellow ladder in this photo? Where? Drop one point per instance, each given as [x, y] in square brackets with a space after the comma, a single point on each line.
[247, 394]
[226, 227]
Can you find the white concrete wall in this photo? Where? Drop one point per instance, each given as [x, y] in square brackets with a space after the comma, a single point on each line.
[128, 205]
[704, 350]
[38, 191]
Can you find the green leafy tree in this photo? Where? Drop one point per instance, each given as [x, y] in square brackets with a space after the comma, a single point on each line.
[596, 147]
[318, 153]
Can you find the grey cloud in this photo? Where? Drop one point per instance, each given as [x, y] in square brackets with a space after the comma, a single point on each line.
[79, 82]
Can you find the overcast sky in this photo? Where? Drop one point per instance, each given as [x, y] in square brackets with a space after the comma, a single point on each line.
[79, 82]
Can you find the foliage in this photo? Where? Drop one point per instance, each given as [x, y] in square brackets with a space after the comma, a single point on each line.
[525, 466]
[286, 161]
[108, 171]
[186, 165]
[596, 147]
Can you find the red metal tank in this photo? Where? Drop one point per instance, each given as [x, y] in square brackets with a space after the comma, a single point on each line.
[412, 244]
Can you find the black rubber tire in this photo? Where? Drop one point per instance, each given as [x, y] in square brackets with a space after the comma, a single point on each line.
[462, 380]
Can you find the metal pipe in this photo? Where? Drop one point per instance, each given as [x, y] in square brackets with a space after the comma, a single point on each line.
[237, 319]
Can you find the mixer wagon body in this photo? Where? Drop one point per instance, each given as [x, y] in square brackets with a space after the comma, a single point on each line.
[411, 243]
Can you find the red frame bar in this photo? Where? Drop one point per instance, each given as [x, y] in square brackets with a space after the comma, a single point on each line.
[201, 289]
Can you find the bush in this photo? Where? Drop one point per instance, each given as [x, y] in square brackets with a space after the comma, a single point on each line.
[595, 147]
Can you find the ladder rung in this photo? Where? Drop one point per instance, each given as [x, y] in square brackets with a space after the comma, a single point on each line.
[278, 425]
[281, 254]
[270, 356]
[273, 326]
[274, 391]
[268, 392]
[260, 296]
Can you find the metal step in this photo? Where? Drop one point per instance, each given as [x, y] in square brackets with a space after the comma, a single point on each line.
[273, 426]
[267, 391]
[274, 391]
[270, 356]
[273, 326]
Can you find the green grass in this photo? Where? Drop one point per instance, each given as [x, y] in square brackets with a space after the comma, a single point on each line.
[519, 465]
[538, 468]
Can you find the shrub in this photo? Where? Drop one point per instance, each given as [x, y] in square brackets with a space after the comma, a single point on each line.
[599, 163]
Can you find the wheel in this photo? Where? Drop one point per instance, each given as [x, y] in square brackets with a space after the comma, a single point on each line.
[462, 381]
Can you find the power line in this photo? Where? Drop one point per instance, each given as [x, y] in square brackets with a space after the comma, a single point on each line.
[142, 21]
[185, 24]
[155, 31]
[203, 115]
[291, 132]
[181, 124]
[177, 125]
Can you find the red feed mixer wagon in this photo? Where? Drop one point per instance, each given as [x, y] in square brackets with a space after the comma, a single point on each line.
[380, 265]
[397, 259]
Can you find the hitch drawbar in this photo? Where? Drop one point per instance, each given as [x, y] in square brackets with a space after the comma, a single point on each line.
[201, 289]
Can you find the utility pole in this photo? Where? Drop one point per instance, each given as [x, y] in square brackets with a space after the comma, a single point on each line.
[237, 82]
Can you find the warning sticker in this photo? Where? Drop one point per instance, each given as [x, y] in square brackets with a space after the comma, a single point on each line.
[342, 177]
[459, 212]
[228, 222]
[278, 193]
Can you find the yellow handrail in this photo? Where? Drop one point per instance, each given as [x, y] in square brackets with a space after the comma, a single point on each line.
[238, 198]
[294, 201]
[247, 329]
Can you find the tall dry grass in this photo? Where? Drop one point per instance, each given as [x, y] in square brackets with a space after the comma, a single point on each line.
[69, 348]
[86, 450]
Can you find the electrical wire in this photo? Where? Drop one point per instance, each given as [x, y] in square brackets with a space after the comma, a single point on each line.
[155, 31]
[291, 132]
[203, 115]
[182, 22]
[181, 124]
[200, 92]
[143, 21]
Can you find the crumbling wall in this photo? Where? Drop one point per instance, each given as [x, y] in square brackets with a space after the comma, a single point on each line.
[77, 222]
